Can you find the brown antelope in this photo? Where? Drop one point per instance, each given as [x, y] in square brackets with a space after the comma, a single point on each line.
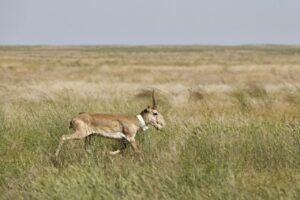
[120, 127]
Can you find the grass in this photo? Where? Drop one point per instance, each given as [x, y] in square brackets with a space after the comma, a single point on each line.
[233, 129]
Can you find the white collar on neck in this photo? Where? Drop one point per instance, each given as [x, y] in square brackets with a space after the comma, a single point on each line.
[142, 122]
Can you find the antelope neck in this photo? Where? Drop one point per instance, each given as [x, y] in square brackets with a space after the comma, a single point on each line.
[142, 122]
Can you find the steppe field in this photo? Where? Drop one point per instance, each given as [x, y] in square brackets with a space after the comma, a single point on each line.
[232, 122]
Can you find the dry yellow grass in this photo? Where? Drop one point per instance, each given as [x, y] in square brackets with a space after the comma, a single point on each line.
[32, 72]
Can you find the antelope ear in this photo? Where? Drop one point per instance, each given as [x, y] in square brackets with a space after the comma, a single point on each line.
[148, 109]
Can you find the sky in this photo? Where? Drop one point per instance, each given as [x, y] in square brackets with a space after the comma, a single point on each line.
[142, 22]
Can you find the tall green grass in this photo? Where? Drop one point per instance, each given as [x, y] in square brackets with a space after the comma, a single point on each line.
[248, 152]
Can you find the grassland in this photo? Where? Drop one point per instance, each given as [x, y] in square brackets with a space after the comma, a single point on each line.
[232, 114]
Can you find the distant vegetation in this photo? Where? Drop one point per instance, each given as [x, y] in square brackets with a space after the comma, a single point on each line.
[232, 114]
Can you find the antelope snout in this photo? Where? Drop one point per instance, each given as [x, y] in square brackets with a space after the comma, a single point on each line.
[158, 126]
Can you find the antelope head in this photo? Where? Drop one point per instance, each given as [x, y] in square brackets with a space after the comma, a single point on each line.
[152, 116]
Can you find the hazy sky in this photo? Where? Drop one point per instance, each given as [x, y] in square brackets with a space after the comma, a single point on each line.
[149, 21]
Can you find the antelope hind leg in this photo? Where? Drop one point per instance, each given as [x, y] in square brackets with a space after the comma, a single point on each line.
[123, 147]
[76, 135]
[87, 141]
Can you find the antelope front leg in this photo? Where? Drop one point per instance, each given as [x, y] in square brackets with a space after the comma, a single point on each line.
[134, 145]
[136, 149]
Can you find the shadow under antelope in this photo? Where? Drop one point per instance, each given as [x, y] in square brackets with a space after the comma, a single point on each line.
[120, 127]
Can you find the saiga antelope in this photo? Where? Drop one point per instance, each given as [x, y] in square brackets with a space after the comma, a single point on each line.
[120, 127]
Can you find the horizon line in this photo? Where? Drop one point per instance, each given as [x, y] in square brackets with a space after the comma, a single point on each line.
[154, 44]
